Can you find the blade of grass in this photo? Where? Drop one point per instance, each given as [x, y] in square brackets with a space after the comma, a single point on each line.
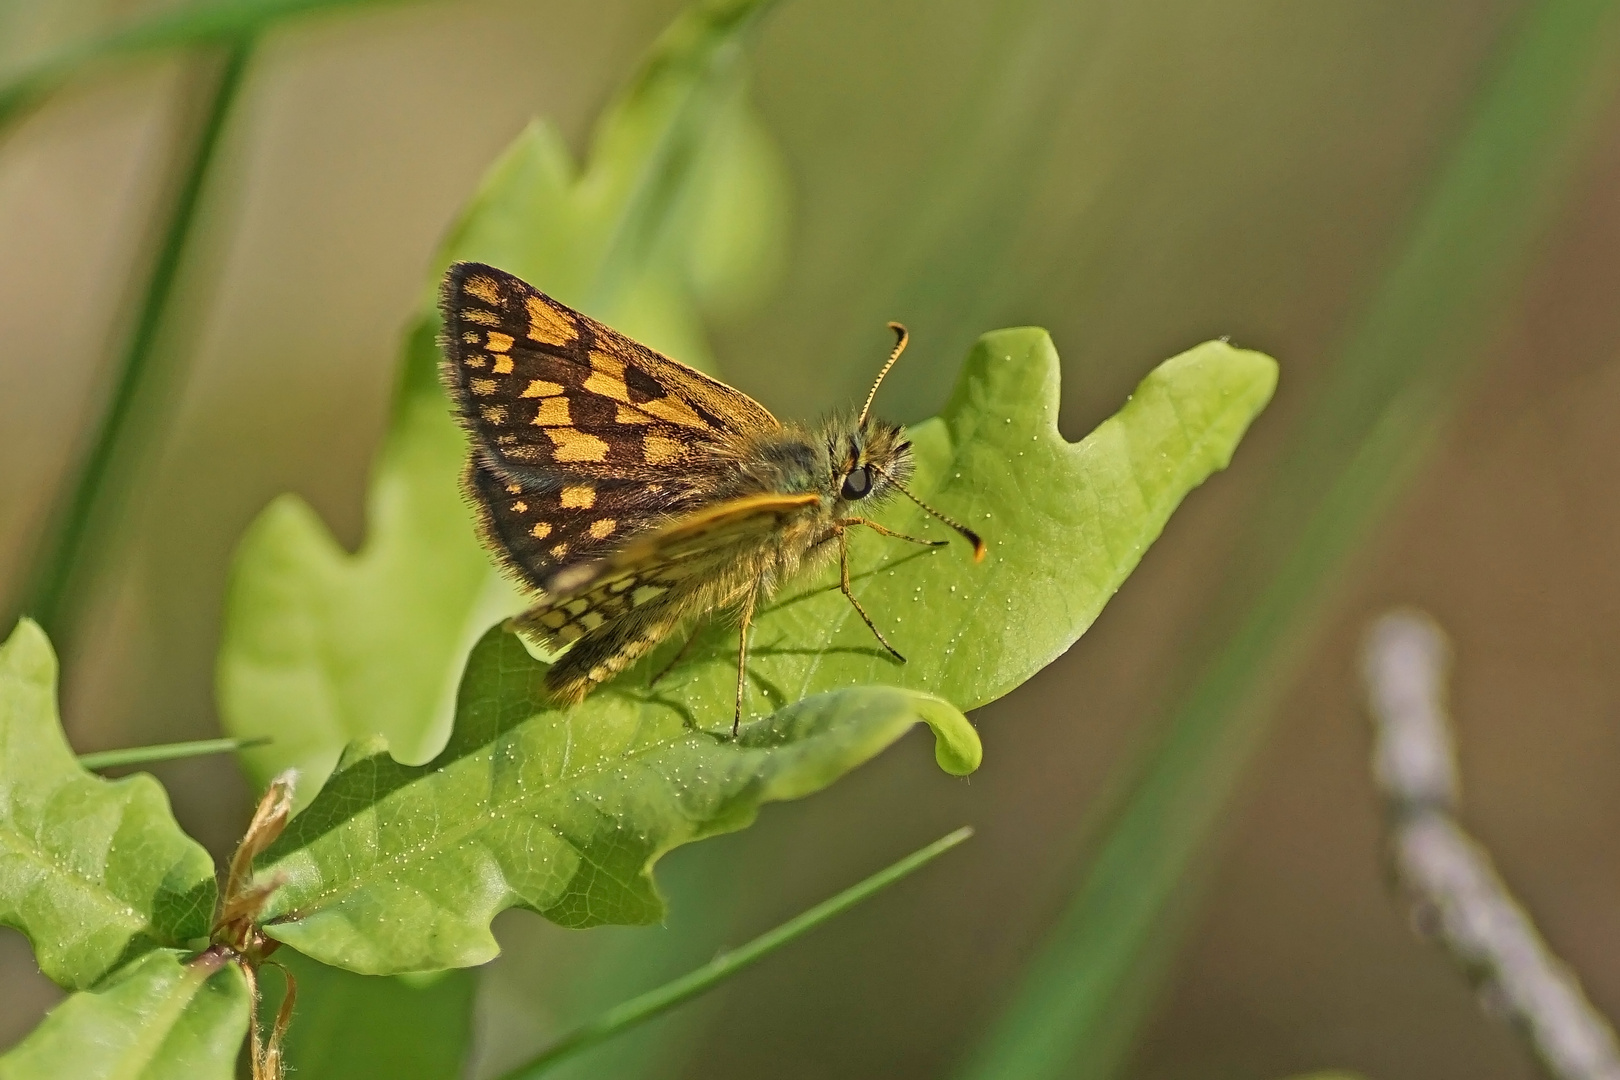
[644, 1007]
[1085, 994]
[145, 755]
[64, 550]
[198, 24]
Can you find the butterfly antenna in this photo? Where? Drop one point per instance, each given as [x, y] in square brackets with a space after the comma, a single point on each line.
[971, 536]
[901, 337]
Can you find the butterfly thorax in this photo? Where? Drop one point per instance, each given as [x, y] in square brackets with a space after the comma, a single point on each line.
[851, 466]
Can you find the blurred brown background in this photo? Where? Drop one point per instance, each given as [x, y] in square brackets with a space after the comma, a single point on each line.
[1136, 178]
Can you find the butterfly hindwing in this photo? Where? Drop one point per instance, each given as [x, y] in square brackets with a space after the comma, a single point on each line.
[538, 529]
[619, 607]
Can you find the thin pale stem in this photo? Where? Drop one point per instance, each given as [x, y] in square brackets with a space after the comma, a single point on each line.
[1458, 898]
[64, 555]
[640, 1009]
[145, 755]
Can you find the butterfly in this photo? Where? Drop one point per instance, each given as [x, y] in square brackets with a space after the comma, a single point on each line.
[632, 495]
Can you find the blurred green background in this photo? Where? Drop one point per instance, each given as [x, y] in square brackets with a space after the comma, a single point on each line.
[1136, 178]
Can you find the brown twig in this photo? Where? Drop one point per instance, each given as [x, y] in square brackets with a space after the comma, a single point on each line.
[1458, 899]
[236, 924]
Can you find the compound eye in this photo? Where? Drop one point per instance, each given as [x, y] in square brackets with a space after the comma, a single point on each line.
[858, 483]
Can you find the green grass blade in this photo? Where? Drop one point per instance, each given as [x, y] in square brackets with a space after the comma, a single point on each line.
[145, 755]
[1087, 990]
[66, 550]
[197, 24]
[679, 991]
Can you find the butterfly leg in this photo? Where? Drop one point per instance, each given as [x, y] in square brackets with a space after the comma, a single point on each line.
[880, 530]
[843, 585]
[742, 659]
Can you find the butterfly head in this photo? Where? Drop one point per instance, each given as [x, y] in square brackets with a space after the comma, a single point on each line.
[874, 458]
[869, 459]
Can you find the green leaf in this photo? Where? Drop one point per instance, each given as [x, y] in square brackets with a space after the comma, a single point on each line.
[397, 868]
[156, 1019]
[322, 646]
[94, 872]
[1065, 524]
[400, 868]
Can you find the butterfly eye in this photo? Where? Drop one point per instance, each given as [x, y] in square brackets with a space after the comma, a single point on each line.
[858, 483]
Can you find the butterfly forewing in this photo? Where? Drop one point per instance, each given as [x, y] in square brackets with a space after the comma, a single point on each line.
[549, 392]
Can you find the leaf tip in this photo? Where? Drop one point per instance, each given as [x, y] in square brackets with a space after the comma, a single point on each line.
[957, 749]
[28, 646]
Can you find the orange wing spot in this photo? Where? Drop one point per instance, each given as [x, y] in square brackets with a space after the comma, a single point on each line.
[559, 550]
[553, 412]
[608, 386]
[514, 489]
[575, 445]
[474, 360]
[483, 387]
[472, 337]
[520, 507]
[528, 455]
[675, 410]
[541, 530]
[499, 342]
[481, 317]
[483, 288]
[607, 364]
[541, 388]
[493, 414]
[658, 450]
[629, 414]
[503, 364]
[554, 619]
[579, 496]
[547, 325]
[601, 530]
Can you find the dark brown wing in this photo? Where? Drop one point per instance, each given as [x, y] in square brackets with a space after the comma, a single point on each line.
[582, 438]
[549, 391]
